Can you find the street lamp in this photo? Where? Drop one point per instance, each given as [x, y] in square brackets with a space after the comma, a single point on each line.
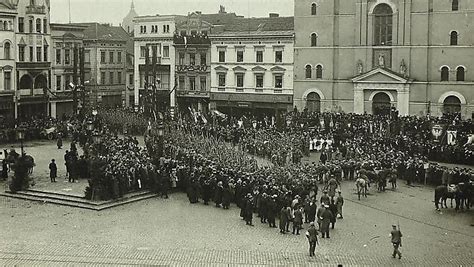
[20, 135]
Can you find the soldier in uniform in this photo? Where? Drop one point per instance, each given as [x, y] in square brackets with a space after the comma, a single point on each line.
[396, 241]
[312, 235]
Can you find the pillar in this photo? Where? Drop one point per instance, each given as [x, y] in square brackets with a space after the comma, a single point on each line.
[358, 101]
[403, 102]
[53, 110]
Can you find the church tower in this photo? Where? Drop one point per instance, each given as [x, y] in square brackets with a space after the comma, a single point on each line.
[127, 22]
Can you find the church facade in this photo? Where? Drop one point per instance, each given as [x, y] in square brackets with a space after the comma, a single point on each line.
[373, 56]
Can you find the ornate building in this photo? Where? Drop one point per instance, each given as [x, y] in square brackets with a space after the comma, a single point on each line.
[8, 17]
[368, 56]
[252, 66]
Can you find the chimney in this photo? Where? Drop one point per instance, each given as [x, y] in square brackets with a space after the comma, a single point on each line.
[274, 15]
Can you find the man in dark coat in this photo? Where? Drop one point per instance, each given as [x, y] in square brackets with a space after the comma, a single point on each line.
[218, 194]
[262, 208]
[226, 197]
[53, 171]
[333, 209]
[297, 220]
[312, 210]
[248, 210]
[326, 218]
[206, 191]
[283, 219]
[312, 235]
[272, 211]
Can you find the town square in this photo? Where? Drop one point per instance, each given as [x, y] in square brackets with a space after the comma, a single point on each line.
[225, 133]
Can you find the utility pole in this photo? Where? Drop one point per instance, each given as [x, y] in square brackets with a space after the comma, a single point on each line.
[74, 79]
[145, 93]
[154, 61]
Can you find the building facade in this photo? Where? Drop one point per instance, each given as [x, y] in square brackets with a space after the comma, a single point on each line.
[369, 56]
[252, 66]
[67, 39]
[8, 50]
[105, 60]
[154, 35]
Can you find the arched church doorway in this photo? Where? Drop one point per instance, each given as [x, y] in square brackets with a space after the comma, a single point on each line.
[381, 104]
[313, 102]
[452, 105]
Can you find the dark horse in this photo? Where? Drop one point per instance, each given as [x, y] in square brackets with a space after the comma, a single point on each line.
[461, 193]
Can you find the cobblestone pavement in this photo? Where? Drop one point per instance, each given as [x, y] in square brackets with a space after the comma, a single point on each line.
[174, 232]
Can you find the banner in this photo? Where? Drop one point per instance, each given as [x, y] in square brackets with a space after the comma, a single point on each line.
[437, 132]
[452, 137]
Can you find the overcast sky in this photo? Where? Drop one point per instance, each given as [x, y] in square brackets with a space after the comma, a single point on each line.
[113, 11]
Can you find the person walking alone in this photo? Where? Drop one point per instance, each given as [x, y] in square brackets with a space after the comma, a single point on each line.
[396, 241]
[312, 235]
[53, 171]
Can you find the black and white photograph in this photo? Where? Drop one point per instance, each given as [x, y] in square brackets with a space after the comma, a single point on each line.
[236, 133]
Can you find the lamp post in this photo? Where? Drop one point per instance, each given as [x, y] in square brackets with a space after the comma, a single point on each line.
[20, 135]
[160, 132]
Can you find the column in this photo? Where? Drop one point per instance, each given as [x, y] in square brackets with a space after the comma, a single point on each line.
[403, 103]
[358, 101]
[53, 110]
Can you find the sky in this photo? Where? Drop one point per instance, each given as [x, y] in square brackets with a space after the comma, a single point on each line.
[113, 11]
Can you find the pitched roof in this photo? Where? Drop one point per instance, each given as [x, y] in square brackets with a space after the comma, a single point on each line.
[104, 32]
[219, 18]
[260, 24]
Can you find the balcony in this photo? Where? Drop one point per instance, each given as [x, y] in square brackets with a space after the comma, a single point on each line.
[192, 93]
[192, 68]
[33, 65]
[36, 10]
[198, 39]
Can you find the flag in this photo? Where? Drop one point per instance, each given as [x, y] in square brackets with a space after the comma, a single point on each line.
[437, 131]
[452, 136]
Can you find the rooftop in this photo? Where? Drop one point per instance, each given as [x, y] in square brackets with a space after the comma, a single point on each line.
[104, 32]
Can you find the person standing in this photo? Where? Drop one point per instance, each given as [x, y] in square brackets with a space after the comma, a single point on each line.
[283, 220]
[312, 235]
[326, 218]
[59, 143]
[53, 171]
[297, 220]
[339, 204]
[396, 241]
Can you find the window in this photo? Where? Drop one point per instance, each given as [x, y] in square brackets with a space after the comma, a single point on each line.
[167, 28]
[221, 80]
[87, 56]
[192, 59]
[454, 38]
[45, 54]
[111, 78]
[58, 82]
[278, 56]
[119, 77]
[58, 56]
[102, 57]
[119, 57]
[240, 80]
[6, 50]
[102, 77]
[181, 82]
[142, 51]
[203, 59]
[66, 82]
[38, 25]
[383, 25]
[164, 28]
[31, 25]
[278, 81]
[130, 79]
[308, 71]
[444, 74]
[111, 57]
[455, 5]
[7, 80]
[21, 24]
[259, 80]
[240, 56]
[166, 51]
[181, 59]
[221, 56]
[313, 9]
[259, 56]
[202, 83]
[45, 26]
[21, 53]
[31, 54]
[319, 72]
[67, 57]
[314, 39]
[460, 74]
[192, 83]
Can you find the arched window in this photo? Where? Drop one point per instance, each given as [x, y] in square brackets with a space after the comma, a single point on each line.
[460, 74]
[38, 25]
[451, 105]
[383, 25]
[313, 102]
[454, 38]
[40, 82]
[308, 71]
[5, 25]
[319, 72]
[6, 50]
[314, 39]
[455, 6]
[444, 74]
[26, 82]
[313, 9]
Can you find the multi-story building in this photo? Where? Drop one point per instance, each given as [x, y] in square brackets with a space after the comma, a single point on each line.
[33, 64]
[252, 66]
[67, 39]
[8, 15]
[154, 35]
[105, 50]
[369, 56]
[193, 58]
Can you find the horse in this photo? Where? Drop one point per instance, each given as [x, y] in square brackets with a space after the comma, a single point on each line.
[461, 193]
[382, 180]
[361, 185]
[31, 163]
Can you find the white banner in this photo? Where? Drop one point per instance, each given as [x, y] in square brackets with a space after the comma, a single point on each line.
[452, 137]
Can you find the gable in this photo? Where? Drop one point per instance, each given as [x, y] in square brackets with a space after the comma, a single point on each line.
[380, 75]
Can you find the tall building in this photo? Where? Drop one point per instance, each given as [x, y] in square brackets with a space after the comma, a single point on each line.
[67, 39]
[127, 22]
[8, 50]
[193, 58]
[252, 66]
[105, 51]
[154, 35]
[368, 56]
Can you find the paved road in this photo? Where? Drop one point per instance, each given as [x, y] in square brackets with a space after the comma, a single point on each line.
[174, 232]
